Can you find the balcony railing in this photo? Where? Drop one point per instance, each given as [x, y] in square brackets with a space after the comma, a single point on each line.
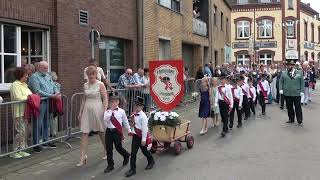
[200, 27]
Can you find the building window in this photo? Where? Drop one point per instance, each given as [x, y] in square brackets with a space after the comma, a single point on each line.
[33, 45]
[290, 4]
[265, 28]
[265, 1]
[243, 59]
[312, 32]
[216, 54]
[290, 29]
[172, 4]
[9, 53]
[306, 55]
[306, 31]
[215, 15]
[164, 49]
[243, 29]
[222, 21]
[243, 1]
[319, 34]
[227, 29]
[265, 58]
[112, 57]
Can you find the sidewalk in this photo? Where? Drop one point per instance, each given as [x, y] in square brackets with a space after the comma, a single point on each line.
[63, 156]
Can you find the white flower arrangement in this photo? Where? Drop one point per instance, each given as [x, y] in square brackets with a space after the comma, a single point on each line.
[164, 118]
[195, 94]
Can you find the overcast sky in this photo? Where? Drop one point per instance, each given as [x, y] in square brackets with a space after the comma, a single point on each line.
[315, 4]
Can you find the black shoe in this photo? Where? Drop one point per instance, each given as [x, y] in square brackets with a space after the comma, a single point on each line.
[300, 123]
[150, 165]
[239, 126]
[289, 122]
[130, 173]
[301, 104]
[49, 145]
[246, 118]
[126, 160]
[263, 113]
[37, 149]
[230, 127]
[223, 134]
[281, 107]
[305, 104]
[108, 169]
[254, 113]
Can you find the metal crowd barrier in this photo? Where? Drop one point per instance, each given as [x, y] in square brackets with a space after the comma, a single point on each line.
[19, 134]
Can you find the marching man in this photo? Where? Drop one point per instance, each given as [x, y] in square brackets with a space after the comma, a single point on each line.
[263, 90]
[237, 103]
[252, 96]
[140, 137]
[224, 100]
[245, 90]
[292, 87]
[114, 117]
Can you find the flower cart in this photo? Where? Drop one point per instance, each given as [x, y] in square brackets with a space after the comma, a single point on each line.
[167, 129]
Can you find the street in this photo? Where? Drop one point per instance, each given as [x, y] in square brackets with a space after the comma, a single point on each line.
[264, 148]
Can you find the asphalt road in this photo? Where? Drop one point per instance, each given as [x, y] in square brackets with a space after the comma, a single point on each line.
[264, 148]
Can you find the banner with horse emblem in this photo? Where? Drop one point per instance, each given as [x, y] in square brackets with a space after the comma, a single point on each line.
[166, 80]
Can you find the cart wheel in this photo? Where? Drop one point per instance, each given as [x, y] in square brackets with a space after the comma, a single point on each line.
[154, 147]
[190, 142]
[177, 148]
[166, 144]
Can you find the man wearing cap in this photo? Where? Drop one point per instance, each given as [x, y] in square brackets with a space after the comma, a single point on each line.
[292, 87]
[140, 137]
[114, 118]
[237, 102]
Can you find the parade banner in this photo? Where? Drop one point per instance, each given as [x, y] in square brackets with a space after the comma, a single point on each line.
[166, 80]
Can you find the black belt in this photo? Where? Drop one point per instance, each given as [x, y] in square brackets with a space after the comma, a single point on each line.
[111, 129]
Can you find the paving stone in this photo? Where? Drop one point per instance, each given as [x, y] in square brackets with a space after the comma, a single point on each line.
[39, 172]
[50, 164]
[46, 162]
[56, 158]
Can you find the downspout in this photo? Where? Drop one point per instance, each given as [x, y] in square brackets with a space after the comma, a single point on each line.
[140, 19]
[211, 30]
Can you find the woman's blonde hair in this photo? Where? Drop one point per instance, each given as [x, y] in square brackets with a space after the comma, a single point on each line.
[214, 79]
[91, 70]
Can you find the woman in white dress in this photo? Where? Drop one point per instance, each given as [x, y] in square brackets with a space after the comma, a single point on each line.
[94, 103]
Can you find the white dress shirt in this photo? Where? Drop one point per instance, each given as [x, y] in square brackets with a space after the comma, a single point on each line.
[265, 85]
[141, 122]
[227, 92]
[120, 115]
[238, 94]
[245, 88]
[254, 93]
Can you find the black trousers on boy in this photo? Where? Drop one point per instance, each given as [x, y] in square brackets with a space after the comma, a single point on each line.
[224, 112]
[112, 137]
[252, 106]
[239, 114]
[135, 145]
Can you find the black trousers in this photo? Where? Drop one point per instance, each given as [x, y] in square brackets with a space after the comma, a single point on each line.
[262, 102]
[296, 111]
[224, 112]
[112, 137]
[251, 106]
[136, 144]
[282, 98]
[239, 114]
[245, 107]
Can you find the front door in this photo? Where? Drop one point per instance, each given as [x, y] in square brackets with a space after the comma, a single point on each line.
[112, 58]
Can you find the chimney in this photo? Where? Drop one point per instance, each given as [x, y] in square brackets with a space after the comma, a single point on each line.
[308, 4]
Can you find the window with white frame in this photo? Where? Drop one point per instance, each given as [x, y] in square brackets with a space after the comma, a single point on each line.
[243, 1]
[243, 29]
[265, 58]
[265, 28]
[290, 29]
[172, 4]
[243, 59]
[265, 1]
[20, 41]
[9, 53]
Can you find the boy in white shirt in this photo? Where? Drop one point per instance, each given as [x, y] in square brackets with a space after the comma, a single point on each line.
[224, 100]
[114, 118]
[140, 137]
[237, 103]
[263, 89]
[245, 91]
[252, 96]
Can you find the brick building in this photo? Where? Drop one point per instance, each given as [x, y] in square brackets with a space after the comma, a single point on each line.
[279, 29]
[172, 31]
[58, 31]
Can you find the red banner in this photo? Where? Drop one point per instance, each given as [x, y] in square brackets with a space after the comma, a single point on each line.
[166, 80]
